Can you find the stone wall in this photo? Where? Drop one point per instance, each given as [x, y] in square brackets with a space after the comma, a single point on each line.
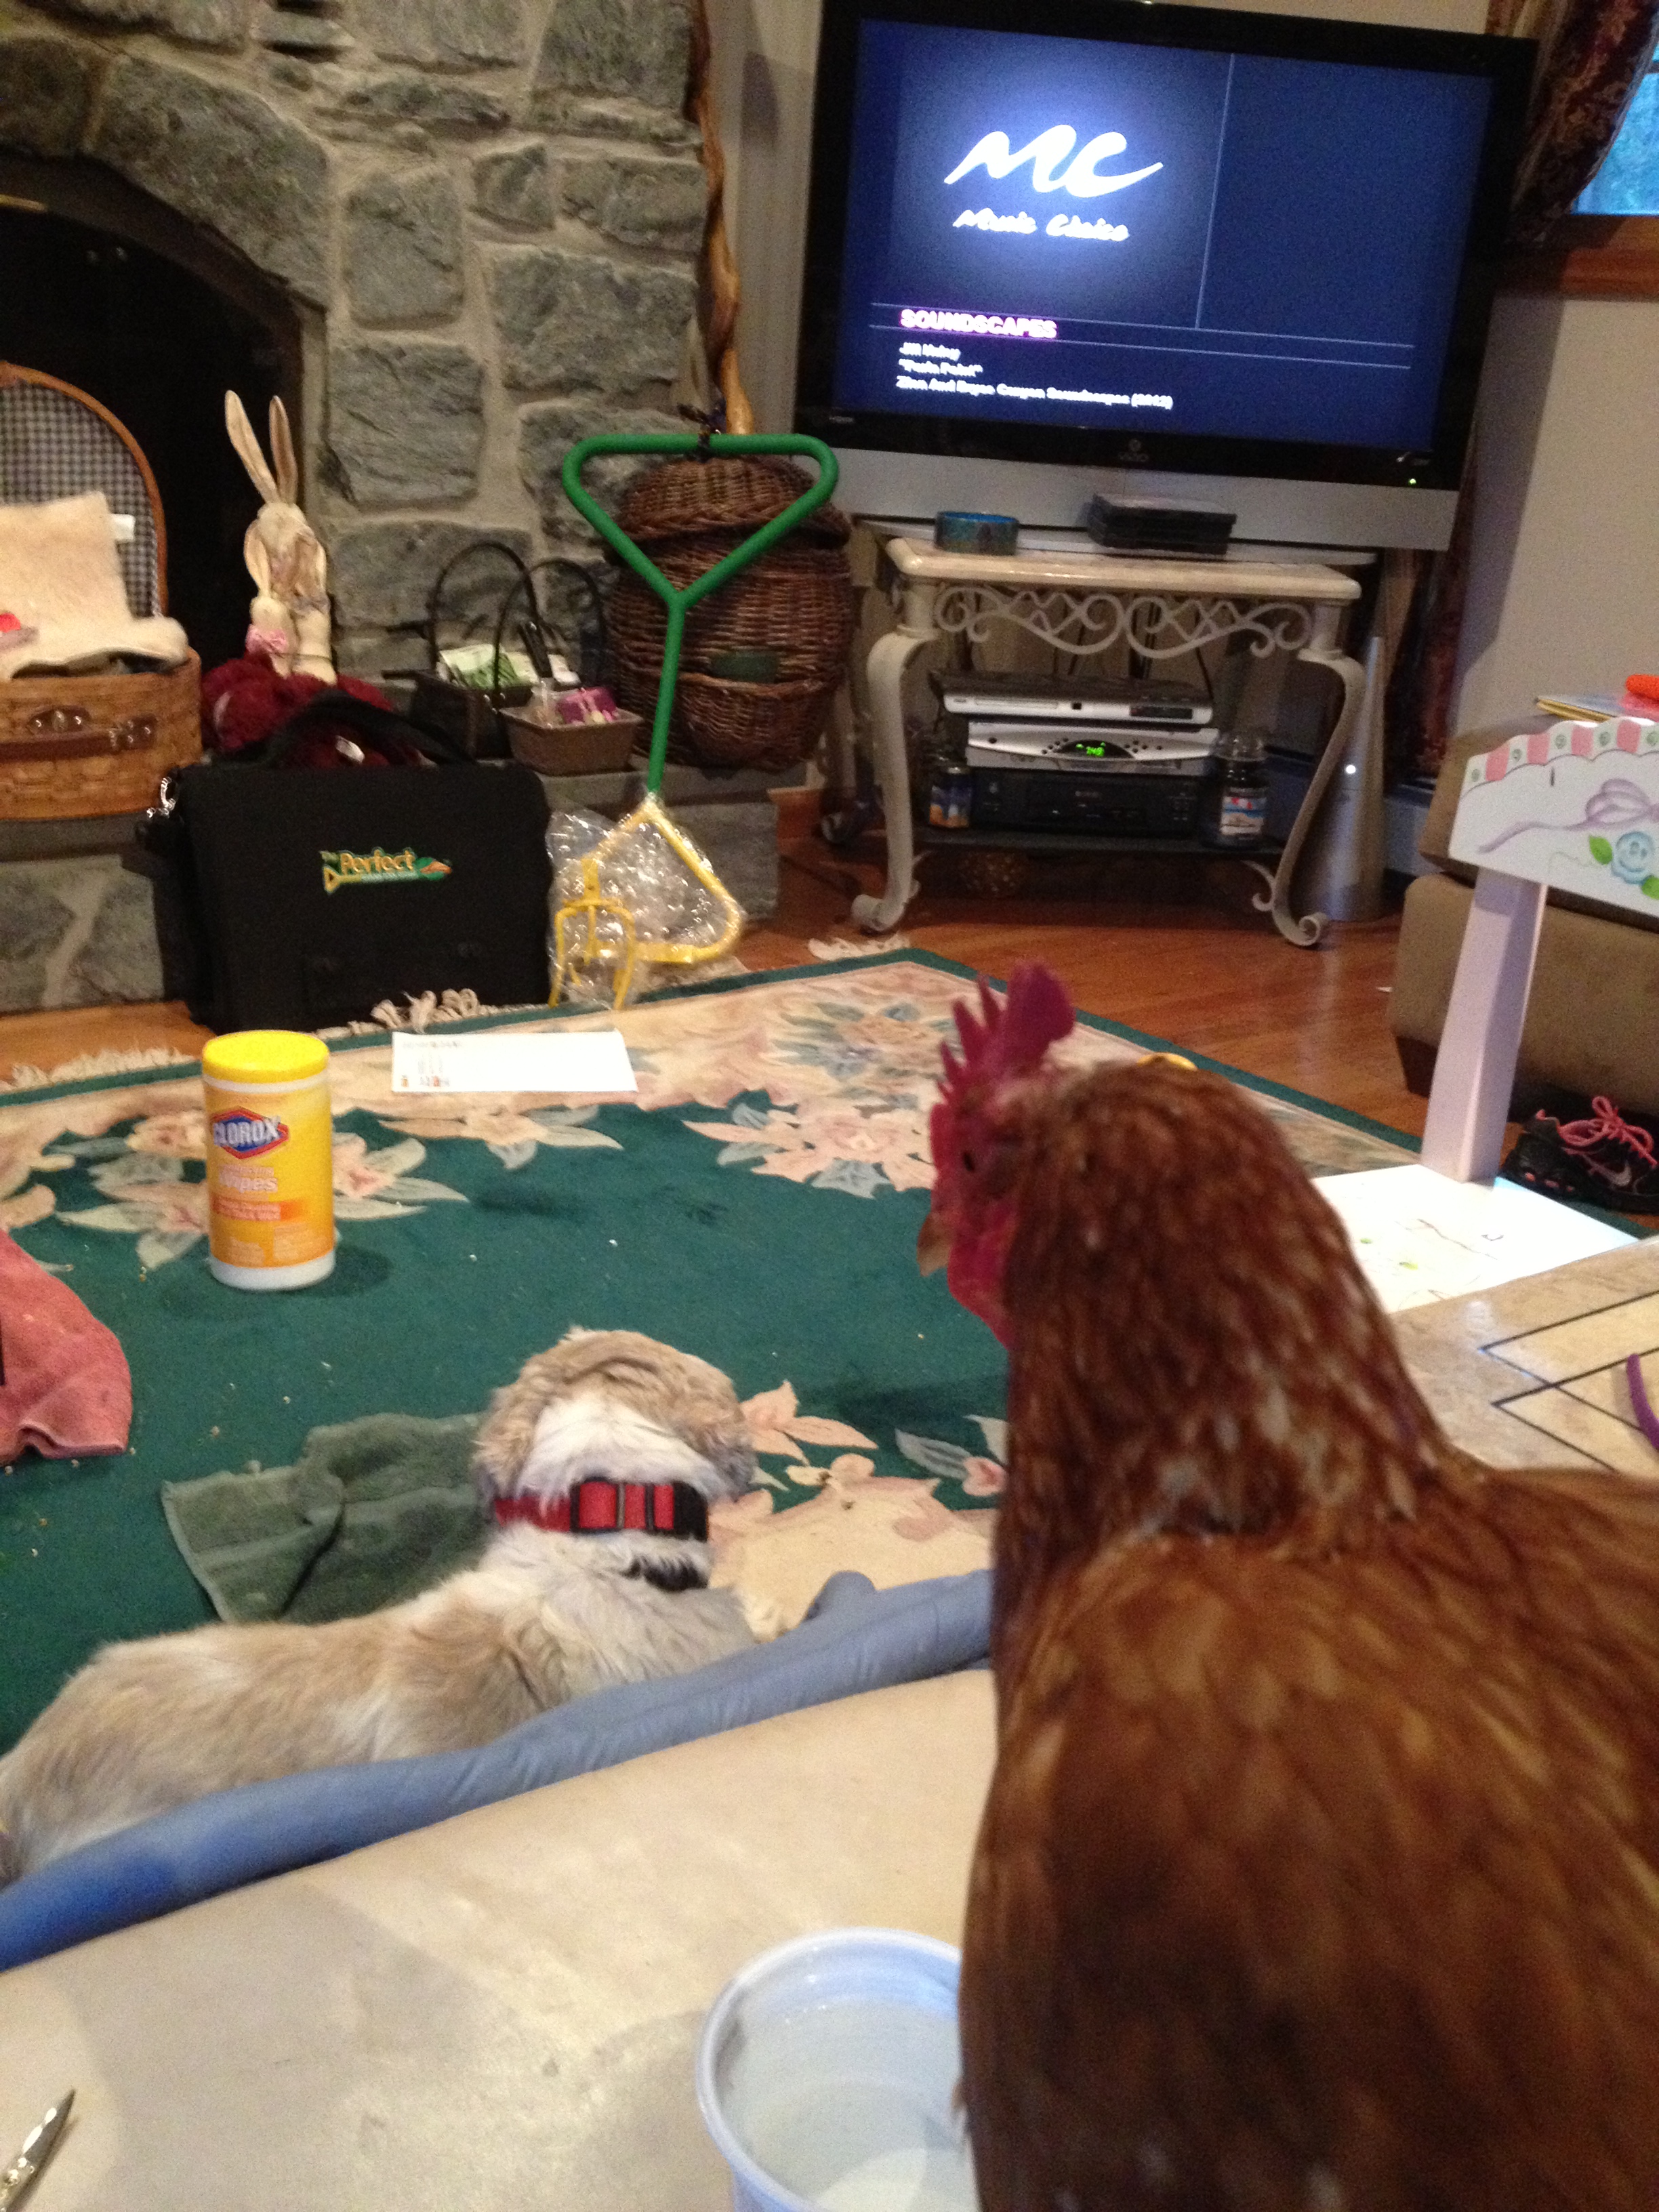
[487, 211]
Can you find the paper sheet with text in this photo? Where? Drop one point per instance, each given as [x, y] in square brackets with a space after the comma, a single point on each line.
[587, 1060]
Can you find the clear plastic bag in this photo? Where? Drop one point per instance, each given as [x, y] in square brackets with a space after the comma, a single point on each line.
[630, 899]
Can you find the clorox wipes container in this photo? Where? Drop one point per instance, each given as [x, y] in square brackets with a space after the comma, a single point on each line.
[269, 1159]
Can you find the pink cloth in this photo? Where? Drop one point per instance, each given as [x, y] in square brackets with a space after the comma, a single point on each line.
[64, 1385]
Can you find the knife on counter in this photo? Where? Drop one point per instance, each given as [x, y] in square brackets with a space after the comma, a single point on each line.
[38, 2146]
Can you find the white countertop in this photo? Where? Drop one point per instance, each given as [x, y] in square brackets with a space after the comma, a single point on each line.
[501, 2010]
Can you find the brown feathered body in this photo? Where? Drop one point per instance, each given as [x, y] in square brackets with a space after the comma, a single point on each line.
[1320, 1871]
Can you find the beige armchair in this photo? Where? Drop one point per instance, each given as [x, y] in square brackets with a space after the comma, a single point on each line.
[1593, 1017]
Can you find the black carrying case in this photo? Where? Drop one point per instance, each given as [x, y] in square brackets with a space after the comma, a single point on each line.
[297, 898]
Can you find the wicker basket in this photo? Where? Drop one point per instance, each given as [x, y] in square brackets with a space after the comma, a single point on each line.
[73, 745]
[796, 601]
[576, 748]
[718, 723]
[684, 499]
[794, 604]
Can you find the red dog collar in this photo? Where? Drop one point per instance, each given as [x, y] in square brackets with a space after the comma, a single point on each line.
[596, 1507]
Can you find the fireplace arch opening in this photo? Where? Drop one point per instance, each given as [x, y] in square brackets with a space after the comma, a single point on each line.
[116, 293]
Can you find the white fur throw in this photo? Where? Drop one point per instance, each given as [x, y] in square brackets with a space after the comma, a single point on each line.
[60, 575]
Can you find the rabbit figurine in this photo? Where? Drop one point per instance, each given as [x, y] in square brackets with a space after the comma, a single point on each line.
[289, 619]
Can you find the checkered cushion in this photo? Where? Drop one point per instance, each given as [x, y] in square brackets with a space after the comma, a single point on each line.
[53, 446]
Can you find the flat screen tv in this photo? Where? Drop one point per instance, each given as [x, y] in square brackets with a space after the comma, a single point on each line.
[1062, 247]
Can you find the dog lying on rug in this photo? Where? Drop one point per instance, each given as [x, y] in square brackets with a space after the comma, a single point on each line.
[599, 1463]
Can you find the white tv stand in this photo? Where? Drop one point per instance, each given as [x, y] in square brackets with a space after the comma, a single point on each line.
[1084, 602]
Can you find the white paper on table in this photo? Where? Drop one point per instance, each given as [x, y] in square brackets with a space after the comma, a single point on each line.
[585, 1061]
[1420, 1237]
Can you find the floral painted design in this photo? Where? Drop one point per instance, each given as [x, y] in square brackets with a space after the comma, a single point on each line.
[370, 1186]
[149, 1198]
[44, 1137]
[512, 1134]
[778, 1429]
[1633, 859]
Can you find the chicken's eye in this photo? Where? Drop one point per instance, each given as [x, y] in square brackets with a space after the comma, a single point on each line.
[968, 1162]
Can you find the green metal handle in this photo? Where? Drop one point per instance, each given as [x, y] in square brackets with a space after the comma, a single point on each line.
[679, 603]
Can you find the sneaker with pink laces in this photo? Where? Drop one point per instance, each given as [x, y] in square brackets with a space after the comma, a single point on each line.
[1608, 1158]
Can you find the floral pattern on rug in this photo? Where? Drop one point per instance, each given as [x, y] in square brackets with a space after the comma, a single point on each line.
[830, 1147]
[830, 1081]
[144, 1170]
[825, 1081]
[717, 1213]
[145, 1177]
[806, 1520]
[981, 1474]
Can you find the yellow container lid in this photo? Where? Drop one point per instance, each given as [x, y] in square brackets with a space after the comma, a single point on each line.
[263, 1056]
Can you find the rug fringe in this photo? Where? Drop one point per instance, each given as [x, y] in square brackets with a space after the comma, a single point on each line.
[25, 1075]
[848, 948]
[420, 1013]
[417, 1013]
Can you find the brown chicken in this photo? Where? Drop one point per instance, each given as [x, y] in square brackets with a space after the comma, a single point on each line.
[1320, 1871]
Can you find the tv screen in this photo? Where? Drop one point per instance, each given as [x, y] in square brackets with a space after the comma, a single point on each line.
[1163, 237]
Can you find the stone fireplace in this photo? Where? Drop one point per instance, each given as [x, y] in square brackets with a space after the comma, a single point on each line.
[481, 217]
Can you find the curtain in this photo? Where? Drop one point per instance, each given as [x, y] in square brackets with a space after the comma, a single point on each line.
[1592, 56]
[711, 380]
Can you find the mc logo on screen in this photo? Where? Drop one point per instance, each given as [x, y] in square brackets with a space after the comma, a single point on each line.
[1080, 178]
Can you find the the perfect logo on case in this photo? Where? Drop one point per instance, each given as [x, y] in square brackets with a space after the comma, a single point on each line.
[342, 870]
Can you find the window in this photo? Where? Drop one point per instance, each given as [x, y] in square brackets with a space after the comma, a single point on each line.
[1627, 182]
[1607, 247]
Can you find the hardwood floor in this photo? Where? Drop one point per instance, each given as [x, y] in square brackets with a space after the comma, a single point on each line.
[1170, 947]
[46, 1040]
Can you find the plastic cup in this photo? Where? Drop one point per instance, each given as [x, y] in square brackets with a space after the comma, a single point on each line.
[827, 2074]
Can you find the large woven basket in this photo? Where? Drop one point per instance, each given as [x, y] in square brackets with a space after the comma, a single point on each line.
[684, 499]
[730, 724]
[795, 603]
[72, 746]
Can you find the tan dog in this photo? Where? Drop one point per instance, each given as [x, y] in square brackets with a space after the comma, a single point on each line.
[545, 1616]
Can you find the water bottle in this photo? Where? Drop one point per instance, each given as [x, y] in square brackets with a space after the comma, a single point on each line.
[1239, 806]
[950, 794]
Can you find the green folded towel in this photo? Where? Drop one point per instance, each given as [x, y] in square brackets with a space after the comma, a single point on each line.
[371, 1512]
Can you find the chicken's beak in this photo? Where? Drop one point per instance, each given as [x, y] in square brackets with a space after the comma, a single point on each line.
[933, 1244]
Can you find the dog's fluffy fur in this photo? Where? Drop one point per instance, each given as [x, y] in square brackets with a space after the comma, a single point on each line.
[542, 1618]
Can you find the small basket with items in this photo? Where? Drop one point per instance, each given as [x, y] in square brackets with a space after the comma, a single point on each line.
[540, 698]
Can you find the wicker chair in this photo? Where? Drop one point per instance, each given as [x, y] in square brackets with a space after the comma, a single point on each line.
[56, 441]
[89, 745]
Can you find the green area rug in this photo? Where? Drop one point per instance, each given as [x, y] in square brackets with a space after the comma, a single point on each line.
[758, 1207]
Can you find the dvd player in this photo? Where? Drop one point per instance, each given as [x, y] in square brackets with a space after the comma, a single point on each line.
[1024, 698]
[1112, 748]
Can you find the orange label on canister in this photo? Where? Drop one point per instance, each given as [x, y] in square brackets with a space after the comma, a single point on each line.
[269, 1172]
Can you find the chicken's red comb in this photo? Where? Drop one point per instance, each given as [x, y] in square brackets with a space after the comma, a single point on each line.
[1015, 1032]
